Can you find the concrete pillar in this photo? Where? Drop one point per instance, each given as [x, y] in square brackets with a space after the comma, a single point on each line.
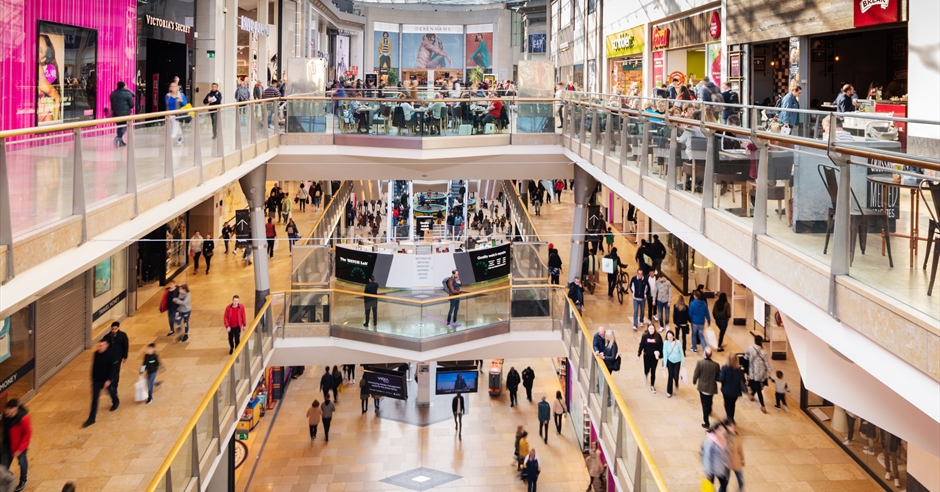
[253, 187]
[584, 186]
[210, 24]
[263, 42]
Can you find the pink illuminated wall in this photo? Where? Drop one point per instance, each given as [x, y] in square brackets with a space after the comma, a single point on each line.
[116, 22]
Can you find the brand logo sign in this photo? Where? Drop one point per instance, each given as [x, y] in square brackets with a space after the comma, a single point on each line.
[424, 29]
[874, 12]
[660, 38]
[253, 26]
[714, 26]
[623, 43]
[167, 24]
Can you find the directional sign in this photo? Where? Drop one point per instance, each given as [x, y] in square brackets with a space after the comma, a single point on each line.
[242, 226]
[595, 220]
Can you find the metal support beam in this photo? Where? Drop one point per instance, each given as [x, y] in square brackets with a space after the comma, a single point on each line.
[78, 182]
[6, 215]
[759, 225]
[584, 186]
[131, 160]
[840, 255]
[252, 185]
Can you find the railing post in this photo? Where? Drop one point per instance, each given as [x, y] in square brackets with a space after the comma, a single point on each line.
[671, 162]
[168, 155]
[643, 159]
[197, 473]
[264, 120]
[168, 481]
[840, 262]
[624, 147]
[78, 182]
[232, 397]
[608, 137]
[197, 146]
[219, 135]
[708, 180]
[216, 421]
[566, 123]
[6, 214]
[238, 132]
[583, 130]
[253, 124]
[131, 185]
[595, 130]
[759, 225]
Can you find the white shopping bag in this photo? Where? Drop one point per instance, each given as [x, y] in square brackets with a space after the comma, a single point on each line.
[710, 338]
[140, 389]
[683, 375]
[785, 130]
[607, 265]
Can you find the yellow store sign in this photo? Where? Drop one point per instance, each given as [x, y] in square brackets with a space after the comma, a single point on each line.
[625, 43]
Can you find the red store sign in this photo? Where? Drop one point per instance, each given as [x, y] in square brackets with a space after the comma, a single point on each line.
[714, 26]
[660, 38]
[874, 12]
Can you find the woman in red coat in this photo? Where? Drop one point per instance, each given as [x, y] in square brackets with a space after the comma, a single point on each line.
[235, 321]
[17, 430]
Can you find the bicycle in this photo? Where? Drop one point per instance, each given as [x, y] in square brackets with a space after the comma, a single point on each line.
[623, 280]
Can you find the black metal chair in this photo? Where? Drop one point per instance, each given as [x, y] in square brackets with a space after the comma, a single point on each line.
[933, 229]
[860, 217]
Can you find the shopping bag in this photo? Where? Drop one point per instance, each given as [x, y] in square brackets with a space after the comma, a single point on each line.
[785, 130]
[683, 375]
[707, 485]
[710, 338]
[607, 265]
[140, 389]
[341, 388]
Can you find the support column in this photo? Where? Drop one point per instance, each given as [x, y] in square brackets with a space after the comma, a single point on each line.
[584, 186]
[425, 373]
[252, 185]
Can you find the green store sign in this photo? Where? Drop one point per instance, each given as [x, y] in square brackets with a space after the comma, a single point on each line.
[624, 43]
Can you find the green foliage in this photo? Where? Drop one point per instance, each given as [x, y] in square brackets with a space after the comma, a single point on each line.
[476, 75]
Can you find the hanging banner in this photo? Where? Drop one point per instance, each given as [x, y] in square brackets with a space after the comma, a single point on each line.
[713, 62]
[387, 43]
[659, 58]
[432, 47]
[342, 56]
[479, 42]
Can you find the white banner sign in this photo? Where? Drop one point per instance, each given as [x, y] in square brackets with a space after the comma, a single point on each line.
[422, 29]
[478, 28]
[385, 26]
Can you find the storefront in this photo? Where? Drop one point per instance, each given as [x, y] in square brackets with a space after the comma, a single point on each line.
[80, 49]
[688, 49]
[625, 51]
[161, 256]
[250, 34]
[429, 53]
[165, 44]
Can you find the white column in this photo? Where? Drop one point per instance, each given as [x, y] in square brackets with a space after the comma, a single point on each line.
[923, 77]
[211, 30]
[426, 374]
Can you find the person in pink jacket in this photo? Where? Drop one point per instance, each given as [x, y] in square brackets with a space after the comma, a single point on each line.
[235, 321]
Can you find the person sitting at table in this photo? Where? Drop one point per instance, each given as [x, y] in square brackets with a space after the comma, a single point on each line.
[491, 113]
[408, 110]
[434, 113]
[841, 134]
[728, 140]
[689, 132]
[659, 109]
[360, 112]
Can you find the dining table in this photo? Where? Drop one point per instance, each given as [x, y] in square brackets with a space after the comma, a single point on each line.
[901, 183]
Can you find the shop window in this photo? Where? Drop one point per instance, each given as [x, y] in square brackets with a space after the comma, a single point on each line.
[16, 356]
[110, 292]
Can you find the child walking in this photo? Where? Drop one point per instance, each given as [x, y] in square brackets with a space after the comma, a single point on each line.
[150, 366]
[781, 390]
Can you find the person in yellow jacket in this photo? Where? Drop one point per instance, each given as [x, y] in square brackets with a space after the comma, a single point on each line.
[522, 449]
[385, 52]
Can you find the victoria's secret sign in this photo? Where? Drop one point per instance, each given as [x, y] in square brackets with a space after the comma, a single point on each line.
[874, 12]
[660, 38]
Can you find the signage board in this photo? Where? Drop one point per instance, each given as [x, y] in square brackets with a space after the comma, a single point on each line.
[252, 26]
[625, 43]
[388, 385]
[659, 60]
[874, 12]
[660, 38]
[490, 263]
[452, 382]
[353, 265]
[242, 226]
[714, 25]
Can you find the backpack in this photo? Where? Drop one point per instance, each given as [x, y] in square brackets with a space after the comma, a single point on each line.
[446, 284]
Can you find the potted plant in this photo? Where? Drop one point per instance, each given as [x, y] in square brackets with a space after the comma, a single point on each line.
[476, 75]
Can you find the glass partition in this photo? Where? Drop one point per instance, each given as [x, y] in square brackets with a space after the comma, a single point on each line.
[40, 172]
[104, 162]
[230, 126]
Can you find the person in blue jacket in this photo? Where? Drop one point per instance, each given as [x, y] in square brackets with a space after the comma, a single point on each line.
[790, 101]
[698, 318]
[175, 99]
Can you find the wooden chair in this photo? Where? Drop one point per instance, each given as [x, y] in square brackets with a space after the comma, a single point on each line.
[933, 229]
[860, 217]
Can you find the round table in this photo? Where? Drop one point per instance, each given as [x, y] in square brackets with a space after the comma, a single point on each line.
[907, 183]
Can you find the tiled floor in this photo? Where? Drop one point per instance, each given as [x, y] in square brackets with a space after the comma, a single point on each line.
[783, 451]
[364, 451]
[123, 450]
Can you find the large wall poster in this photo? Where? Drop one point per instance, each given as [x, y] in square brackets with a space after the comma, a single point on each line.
[479, 45]
[432, 47]
[103, 277]
[342, 56]
[66, 83]
[386, 45]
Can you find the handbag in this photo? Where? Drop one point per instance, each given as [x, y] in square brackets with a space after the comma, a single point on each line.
[616, 365]
[707, 485]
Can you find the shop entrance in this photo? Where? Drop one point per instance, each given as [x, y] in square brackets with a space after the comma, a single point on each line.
[165, 60]
[865, 59]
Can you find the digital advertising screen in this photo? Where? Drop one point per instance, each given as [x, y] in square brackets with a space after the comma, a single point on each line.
[67, 66]
[353, 265]
[387, 385]
[449, 383]
[103, 277]
[490, 263]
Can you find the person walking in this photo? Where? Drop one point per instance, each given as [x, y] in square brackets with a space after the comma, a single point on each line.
[195, 250]
[673, 358]
[235, 321]
[122, 103]
[731, 378]
[651, 349]
[227, 232]
[213, 98]
[167, 305]
[102, 372]
[175, 99]
[326, 384]
[758, 369]
[706, 377]
[721, 311]
[715, 459]
[554, 265]
[363, 395]
[208, 249]
[663, 300]
[735, 452]
[270, 233]
[596, 470]
[680, 317]
[459, 407]
[119, 346]
[609, 239]
[150, 366]
[452, 286]
[614, 272]
[286, 207]
[522, 448]
[699, 317]
[17, 432]
[314, 414]
[326, 412]
[184, 309]
[512, 384]
[528, 377]
[292, 234]
[531, 469]
[371, 304]
[789, 119]
[302, 197]
[559, 410]
[337, 382]
[638, 289]
[559, 187]
[545, 416]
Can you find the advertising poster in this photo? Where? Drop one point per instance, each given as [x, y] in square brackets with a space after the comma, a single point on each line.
[536, 43]
[659, 58]
[490, 263]
[456, 382]
[387, 44]
[387, 385]
[103, 277]
[66, 82]
[353, 265]
[432, 47]
[342, 56]
[5, 340]
[713, 62]
[794, 61]
[479, 45]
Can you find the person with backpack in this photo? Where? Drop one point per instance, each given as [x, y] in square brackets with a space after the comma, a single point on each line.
[452, 288]
[528, 377]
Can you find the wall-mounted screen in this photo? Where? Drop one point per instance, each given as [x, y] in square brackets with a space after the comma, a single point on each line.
[67, 73]
[456, 382]
[385, 385]
[490, 263]
[354, 265]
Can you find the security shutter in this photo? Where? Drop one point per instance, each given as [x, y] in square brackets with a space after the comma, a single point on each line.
[60, 328]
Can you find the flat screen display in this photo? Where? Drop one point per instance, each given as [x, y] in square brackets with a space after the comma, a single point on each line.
[490, 263]
[353, 265]
[449, 383]
[67, 73]
[386, 385]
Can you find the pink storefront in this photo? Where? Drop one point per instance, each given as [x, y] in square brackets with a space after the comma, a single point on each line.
[62, 58]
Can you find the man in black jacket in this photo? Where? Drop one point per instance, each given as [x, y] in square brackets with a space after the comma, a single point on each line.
[371, 303]
[512, 384]
[528, 376]
[102, 373]
[119, 345]
[459, 408]
[122, 102]
[213, 98]
[326, 384]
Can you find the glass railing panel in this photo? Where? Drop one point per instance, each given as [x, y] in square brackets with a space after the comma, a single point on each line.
[647, 482]
[104, 163]
[261, 125]
[40, 172]
[636, 128]
[630, 451]
[394, 317]
[307, 116]
[150, 151]
[536, 117]
[181, 470]
[208, 136]
[531, 302]
[600, 130]
[161, 485]
[309, 308]
[229, 127]
[182, 146]
[224, 394]
[246, 117]
[613, 418]
[204, 432]
[801, 190]
[273, 109]
[476, 311]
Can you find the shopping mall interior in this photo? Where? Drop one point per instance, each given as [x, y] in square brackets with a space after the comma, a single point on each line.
[493, 205]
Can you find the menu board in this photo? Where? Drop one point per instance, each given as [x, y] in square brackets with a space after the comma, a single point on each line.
[490, 263]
